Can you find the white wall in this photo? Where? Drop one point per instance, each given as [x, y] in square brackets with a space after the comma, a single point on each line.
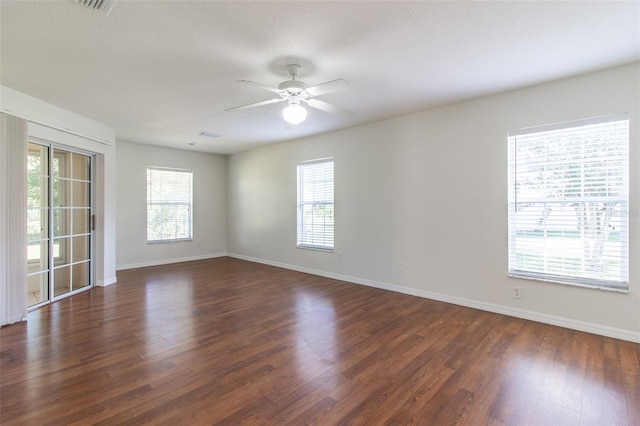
[431, 189]
[209, 209]
[54, 124]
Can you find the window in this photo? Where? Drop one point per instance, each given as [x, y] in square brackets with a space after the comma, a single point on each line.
[569, 203]
[315, 205]
[169, 205]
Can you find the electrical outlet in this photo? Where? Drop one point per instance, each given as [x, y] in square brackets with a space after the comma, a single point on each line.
[517, 293]
[340, 256]
[401, 265]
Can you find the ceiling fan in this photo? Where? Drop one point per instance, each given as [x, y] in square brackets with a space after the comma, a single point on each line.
[295, 91]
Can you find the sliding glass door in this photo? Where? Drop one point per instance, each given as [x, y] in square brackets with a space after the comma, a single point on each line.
[59, 223]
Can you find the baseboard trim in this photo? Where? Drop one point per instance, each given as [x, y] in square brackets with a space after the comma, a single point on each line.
[169, 261]
[587, 327]
[104, 283]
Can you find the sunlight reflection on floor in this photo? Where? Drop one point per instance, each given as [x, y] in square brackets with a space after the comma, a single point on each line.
[315, 333]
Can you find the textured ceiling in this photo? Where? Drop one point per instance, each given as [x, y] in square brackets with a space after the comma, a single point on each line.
[161, 72]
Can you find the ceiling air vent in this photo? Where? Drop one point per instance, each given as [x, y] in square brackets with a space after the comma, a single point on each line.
[103, 6]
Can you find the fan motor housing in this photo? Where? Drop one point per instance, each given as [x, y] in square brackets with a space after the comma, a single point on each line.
[293, 86]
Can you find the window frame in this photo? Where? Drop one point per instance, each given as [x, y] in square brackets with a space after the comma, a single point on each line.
[303, 239]
[151, 201]
[588, 278]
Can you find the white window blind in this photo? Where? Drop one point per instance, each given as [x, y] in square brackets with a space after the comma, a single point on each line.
[169, 204]
[569, 203]
[315, 205]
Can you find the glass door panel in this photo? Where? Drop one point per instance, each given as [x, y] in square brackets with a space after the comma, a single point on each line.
[37, 224]
[80, 274]
[81, 167]
[38, 285]
[61, 280]
[80, 248]
[61, 221]
[61, 192]
[81, 194]
[71, 215]
[81, 221]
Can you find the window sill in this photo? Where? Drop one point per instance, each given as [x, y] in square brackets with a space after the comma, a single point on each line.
[184, 240]
[316, 248]
[572, 284]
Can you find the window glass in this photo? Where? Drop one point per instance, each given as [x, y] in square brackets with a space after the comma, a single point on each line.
[569, 203]
[169, 204]
[315, 205]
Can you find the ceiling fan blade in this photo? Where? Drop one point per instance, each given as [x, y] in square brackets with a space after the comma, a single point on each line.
[328, 87]
[330, 108]
[260, 86]
[256, 104]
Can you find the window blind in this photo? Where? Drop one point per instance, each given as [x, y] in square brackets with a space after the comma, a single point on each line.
[315, 205]
[169, 204]
[569, 202]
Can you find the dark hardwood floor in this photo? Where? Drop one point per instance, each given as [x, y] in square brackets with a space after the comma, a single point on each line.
[224, 341]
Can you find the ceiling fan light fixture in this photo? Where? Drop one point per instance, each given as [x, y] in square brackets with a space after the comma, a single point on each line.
[294, 113]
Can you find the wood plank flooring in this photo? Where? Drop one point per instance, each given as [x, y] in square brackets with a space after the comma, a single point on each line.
[225, 341]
